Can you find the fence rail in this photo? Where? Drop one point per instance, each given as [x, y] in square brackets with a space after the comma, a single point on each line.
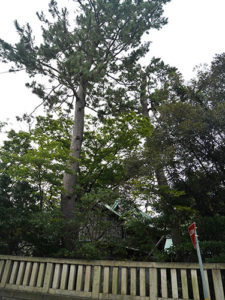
[109, 279]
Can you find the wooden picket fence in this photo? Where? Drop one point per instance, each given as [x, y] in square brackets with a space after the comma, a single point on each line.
[108, 279]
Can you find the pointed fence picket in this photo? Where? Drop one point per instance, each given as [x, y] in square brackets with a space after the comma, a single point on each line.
[109, 279]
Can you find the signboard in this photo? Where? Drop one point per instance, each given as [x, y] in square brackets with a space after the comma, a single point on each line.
[192, 232]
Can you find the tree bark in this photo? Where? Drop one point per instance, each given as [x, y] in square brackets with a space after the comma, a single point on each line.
[70, 196]
[143, 98]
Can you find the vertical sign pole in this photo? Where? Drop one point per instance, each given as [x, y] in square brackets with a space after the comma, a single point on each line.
[205, 290]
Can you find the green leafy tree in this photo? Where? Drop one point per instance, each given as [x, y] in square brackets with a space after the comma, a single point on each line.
[17, 203]
[39, 157]
[32, 165]
[190, 138]
[185, 169]
[151, 87]
[24, 228]
[103, 174]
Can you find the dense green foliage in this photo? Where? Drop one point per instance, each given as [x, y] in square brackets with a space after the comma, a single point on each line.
[189, 136]
[152, 143]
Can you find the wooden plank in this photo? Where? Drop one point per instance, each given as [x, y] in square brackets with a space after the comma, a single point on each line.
[142, 283]
[34, 274]
[64, 277]
[74, 294]
[48, 277]
[96, 282]
[12, 279]
[17, 288]
[87, 279]
[115, 281]
[123, 281]
[20, 273]
[106, 281]
[40, 275]
[133, 281]
[79, 278]
[26, 278]
[174, 283]
[134, 264]
[153, 284]
[72, 275]
[194, 280]
[56, 277]
[6, 273]
[126, 297]
[2, 264]
[184, 283]
[218, 285]
[164, 283]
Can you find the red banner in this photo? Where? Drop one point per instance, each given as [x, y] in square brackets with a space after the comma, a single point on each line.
[192, 232]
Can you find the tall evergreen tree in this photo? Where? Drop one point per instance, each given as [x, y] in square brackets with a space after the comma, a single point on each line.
[76, 59]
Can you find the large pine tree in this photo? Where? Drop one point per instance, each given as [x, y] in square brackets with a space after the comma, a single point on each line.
[78, 61]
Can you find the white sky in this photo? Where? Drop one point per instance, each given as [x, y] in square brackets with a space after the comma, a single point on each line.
[193, 35]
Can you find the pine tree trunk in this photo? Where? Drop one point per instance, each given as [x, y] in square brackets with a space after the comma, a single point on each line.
[143, 97]
[159, 172]
[70, 181]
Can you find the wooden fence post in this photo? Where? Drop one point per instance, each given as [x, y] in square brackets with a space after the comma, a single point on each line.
[48, 277]
[153, 284]
[6, 273]
[218, 284]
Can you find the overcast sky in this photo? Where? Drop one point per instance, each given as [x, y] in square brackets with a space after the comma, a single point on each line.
[193, 35]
